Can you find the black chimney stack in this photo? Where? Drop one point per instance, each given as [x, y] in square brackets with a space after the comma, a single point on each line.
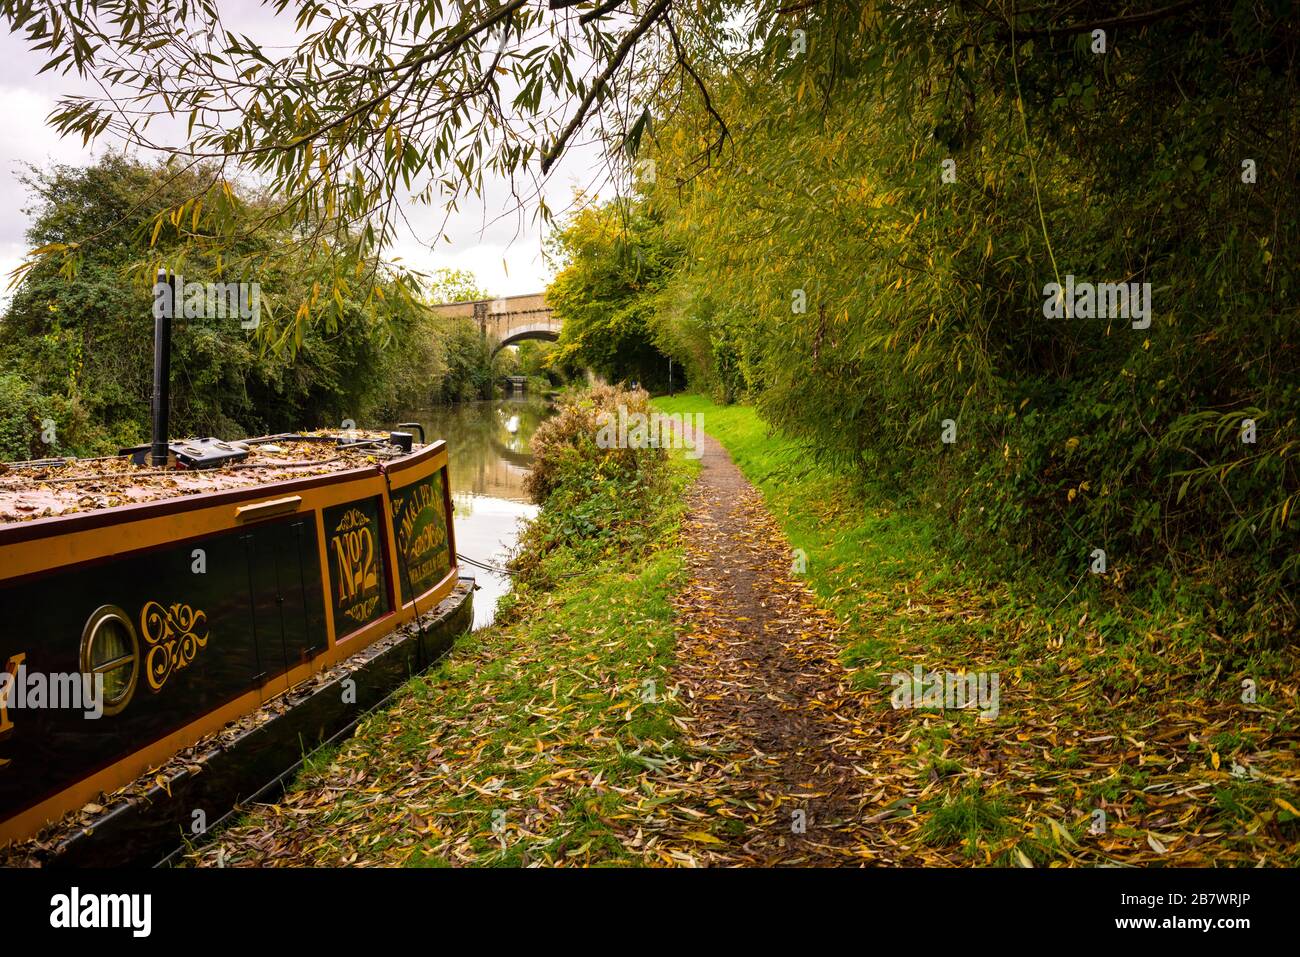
[164, 304]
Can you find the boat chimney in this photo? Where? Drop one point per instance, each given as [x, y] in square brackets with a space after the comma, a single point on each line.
[164, 300]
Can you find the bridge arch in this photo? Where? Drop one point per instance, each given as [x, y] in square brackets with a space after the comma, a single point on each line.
[542, 331]
[508, 319]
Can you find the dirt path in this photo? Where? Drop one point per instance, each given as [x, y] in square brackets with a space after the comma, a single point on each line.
[773, 727]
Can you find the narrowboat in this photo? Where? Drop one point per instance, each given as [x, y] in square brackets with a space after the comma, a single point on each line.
[153, 600]
[147, 606]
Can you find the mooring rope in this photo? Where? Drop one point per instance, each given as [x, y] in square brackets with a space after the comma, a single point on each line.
[484, 565]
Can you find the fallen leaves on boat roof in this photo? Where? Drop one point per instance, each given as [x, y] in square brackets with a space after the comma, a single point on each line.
[33, 490]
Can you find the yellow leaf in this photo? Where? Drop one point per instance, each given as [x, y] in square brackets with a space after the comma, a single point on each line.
[1286, 806]
[1214, 759]
[1061, 832]
[702, 837]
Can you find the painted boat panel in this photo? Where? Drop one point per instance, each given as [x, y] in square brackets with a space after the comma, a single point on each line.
[420, 511]
[359, 583]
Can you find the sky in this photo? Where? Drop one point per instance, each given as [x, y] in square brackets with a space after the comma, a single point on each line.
[500, 245]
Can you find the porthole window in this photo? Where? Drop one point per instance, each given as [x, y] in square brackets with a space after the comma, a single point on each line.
[109, 647]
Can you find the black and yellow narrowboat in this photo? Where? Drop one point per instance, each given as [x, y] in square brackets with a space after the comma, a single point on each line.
[192, 588]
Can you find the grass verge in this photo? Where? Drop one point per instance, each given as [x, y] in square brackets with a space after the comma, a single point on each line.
[529, 744]
[1138, 711]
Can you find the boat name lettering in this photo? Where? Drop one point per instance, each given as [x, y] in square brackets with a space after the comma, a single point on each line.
[354, 558]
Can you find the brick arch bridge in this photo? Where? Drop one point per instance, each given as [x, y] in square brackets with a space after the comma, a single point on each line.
[509, 319]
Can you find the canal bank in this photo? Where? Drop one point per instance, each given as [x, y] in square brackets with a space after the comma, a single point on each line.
[1129, 728]
[519, 746]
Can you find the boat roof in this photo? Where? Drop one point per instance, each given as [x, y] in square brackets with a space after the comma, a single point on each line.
[54, 487]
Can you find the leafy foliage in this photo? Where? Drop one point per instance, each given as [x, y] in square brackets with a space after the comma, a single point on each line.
[1120, 702]
[425, 99]
[832, 274]
[74, 348]
[614, 261]
[597, 502]
[534, 361]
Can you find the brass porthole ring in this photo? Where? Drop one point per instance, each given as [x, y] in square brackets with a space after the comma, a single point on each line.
[109, 647]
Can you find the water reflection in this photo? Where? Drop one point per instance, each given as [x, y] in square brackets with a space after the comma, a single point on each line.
[488, 457]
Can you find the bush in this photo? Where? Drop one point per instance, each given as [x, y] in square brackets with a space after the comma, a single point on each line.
[21, 410]
[827, 272]
[82, 340]
[597, 502]
[565, 446]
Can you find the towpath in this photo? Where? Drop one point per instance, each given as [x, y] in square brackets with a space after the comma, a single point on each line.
[779, 751]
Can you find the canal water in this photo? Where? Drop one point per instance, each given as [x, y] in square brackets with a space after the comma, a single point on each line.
[489, 456]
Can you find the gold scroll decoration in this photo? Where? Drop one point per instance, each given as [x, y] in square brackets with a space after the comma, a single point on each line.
[173, 636]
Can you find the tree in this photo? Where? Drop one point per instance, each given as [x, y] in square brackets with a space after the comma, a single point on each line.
[390, 97]
[74, 348]
[871, 265]
[613, 262]
[454, 285]
[436, 100]
[431, 98]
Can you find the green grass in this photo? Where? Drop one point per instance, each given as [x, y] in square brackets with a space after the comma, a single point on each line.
[1131, 704]
[530, 743]
[849, 540]
[970, 819]
[534, 742]
[563, 689]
